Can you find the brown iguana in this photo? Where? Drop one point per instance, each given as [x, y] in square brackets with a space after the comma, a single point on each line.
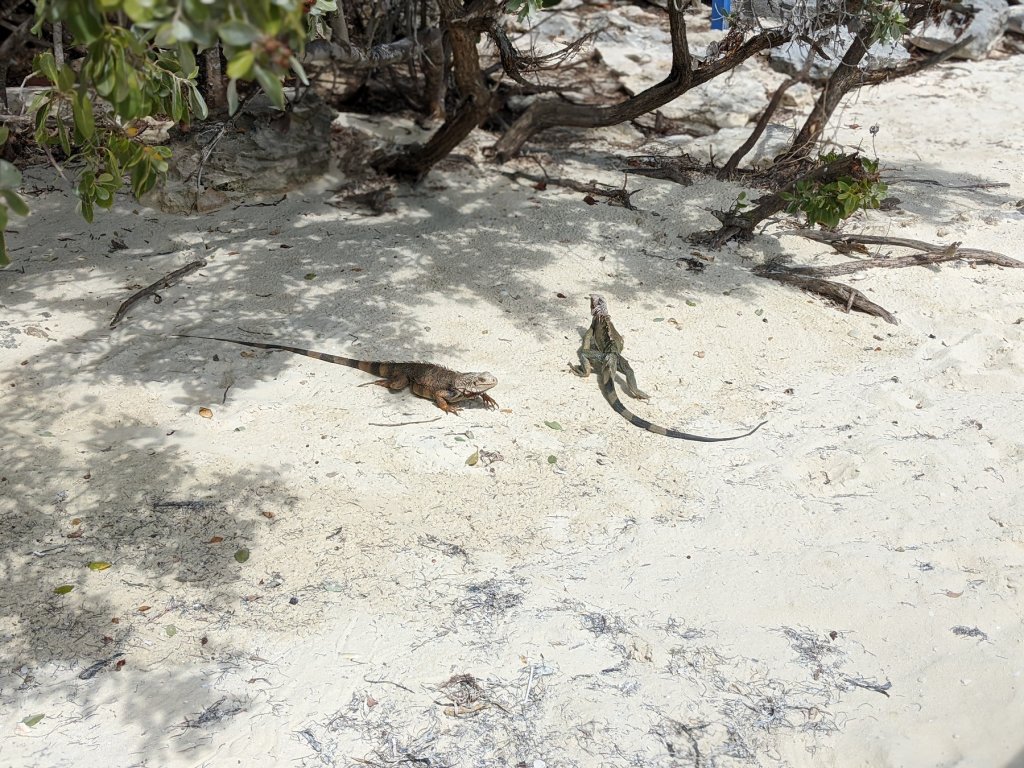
[602, 345]
[433, 382]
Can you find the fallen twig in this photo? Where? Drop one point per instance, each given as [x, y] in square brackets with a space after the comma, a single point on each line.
[845, 296]
[615, 196]
[389, 682]
[882, 688]
[403, 423]
[813, 278]
[933, 254]
[933, 182]
[151, 290]
[94, 669]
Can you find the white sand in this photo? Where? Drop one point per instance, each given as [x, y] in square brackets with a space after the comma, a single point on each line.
[636, 600]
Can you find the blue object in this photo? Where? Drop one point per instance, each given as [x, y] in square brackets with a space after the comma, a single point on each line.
[719, 9]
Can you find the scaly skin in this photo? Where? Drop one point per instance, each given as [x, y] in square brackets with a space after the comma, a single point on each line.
[432, 382]
[608, 341]
[603, 345]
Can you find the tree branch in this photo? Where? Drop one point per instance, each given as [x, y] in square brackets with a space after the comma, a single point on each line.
[542, 115]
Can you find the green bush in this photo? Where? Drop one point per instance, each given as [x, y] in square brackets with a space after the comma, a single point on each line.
[140, 61]
[10, 180]
[829, 203]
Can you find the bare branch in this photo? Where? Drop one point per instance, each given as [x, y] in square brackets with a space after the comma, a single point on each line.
[383, 55]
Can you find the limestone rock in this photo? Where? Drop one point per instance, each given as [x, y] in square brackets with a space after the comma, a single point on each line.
[987, 27]
[790, 59]
[262, 152]
[775, 139]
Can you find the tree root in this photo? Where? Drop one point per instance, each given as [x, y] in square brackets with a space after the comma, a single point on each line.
[840, 293]
[813, 279]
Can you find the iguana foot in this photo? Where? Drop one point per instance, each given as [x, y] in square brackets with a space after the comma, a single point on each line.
[444, 405]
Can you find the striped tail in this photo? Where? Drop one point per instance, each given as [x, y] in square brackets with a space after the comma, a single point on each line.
[377, 369]
[608, 390]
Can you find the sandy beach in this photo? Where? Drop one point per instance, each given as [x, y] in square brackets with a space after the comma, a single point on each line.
[323, 573]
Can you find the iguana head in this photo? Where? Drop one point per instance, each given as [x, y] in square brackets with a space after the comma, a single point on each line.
[598, 305]
[472, 383]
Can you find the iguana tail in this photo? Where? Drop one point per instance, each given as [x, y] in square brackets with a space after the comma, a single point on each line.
[608, 390]
[372, 367]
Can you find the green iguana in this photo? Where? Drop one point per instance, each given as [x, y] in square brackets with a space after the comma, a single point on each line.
[433, 382]
[602, 345]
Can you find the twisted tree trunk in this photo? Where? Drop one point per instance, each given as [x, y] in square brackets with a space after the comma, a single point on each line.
[542, 115]
[476, 102]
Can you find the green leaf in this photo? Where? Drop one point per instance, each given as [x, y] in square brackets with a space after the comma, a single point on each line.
[242, 555]
[238, 33]
[62, 135]
[473, 459]
[197, 103]
[66, 78]
[176, 31]
[81, 108]
[63, 589]
[309, 276]
[10, 177]
[240, 65]
[552, 459]
[187, 60]
[232, 96]
[553, 425]
[297, 69]
[139, 178]
[271, 85]
[133, 106]
[159, 165]
[105, 83]
[170, 630]
[98, 565]
[177, 105]
[139, 10]
[46, 64]
[33, 720]
[42, 112]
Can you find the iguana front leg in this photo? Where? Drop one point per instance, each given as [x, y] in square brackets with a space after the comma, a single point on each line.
[440, 399]
[443, 398]
[586, 352]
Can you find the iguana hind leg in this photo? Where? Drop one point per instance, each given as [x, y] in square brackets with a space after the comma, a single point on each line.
[630, 386]
[394, 384]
